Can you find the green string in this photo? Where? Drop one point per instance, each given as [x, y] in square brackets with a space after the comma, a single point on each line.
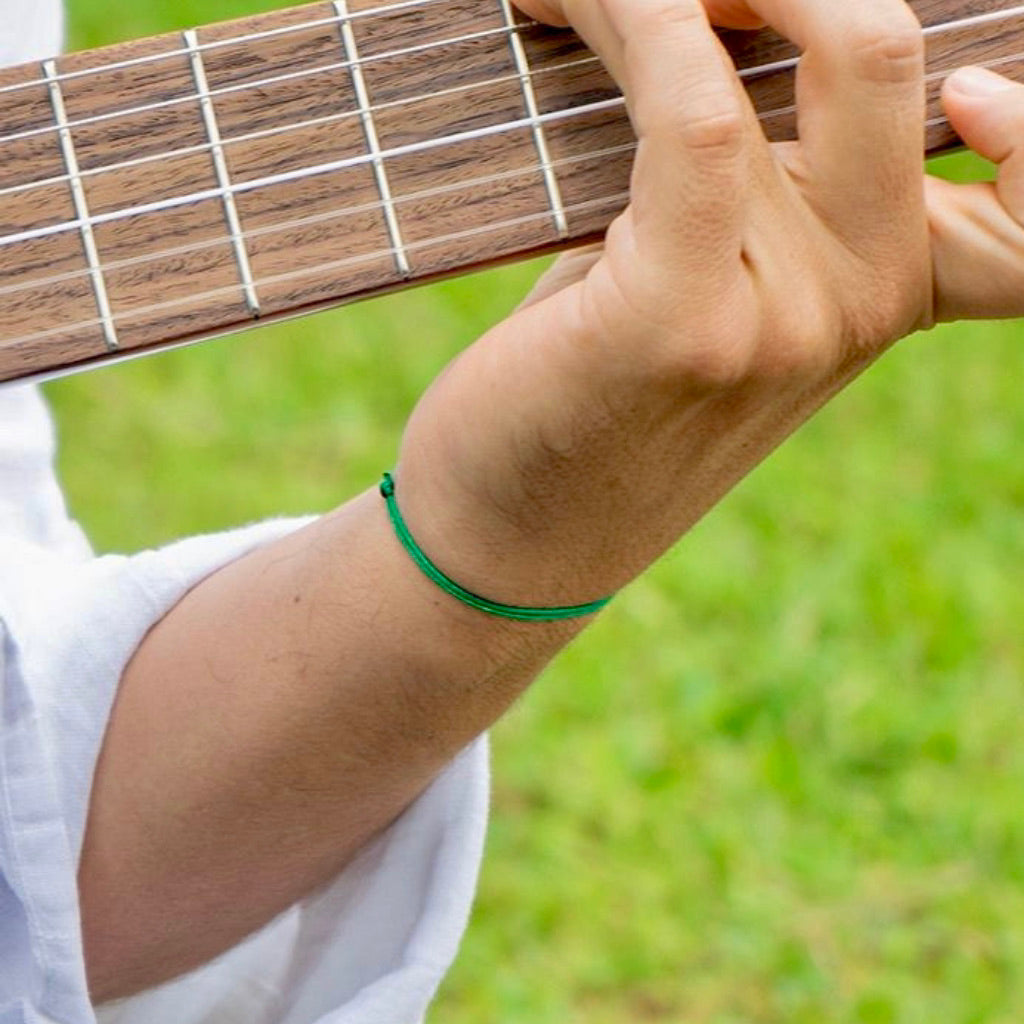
[449, 586]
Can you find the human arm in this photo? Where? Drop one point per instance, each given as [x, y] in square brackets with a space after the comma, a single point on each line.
[295, 702]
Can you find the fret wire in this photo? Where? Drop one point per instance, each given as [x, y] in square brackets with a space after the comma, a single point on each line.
[380, 174]
[289, 177]
[321, 218]
[618, 199]
[81, 205]
[259, 83]
[533, 111]
[293, 126]
[220, 166]
[220, 43]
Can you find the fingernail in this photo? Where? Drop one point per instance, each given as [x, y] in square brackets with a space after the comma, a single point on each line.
[979, 82]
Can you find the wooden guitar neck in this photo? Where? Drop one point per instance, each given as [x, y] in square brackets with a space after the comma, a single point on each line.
[176, 188]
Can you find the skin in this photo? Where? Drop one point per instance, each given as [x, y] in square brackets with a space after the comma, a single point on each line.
[293, 704]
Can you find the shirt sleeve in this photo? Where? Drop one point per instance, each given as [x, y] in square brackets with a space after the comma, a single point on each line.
[370, 947]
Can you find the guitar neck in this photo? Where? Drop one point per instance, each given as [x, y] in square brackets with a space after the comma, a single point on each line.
[176, 188]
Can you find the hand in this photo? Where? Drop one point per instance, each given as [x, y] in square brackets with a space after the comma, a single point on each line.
[978, 230]
[743, 285]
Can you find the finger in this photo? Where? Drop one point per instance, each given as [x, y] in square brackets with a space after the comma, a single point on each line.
[697, 131]
[693, 121]
[987, 111]
[589, 19]
[977, 252]
[861, 109]
[551, 12]
[724, 13]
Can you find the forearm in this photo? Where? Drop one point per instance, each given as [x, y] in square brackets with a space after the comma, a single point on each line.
[287, 710]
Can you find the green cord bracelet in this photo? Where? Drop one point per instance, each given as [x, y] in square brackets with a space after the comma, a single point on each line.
[449, 586]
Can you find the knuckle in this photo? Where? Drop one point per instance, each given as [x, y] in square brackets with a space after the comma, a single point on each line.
[888, 50]
[669, 15]
[718, 359]
[711, 124]
[797, 355]
[800, 345]
[719, 367]
[717, 130]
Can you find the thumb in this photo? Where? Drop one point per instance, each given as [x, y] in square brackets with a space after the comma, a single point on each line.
[987, 111]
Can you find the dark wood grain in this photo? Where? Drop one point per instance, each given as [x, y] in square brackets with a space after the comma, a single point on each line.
[289, 101]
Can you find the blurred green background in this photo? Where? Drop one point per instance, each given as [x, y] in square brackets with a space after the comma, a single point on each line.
[783, 779]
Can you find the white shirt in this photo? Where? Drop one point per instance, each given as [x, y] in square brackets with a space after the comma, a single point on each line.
[369, 948]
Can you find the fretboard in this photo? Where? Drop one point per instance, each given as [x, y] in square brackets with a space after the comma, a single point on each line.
[176, 188]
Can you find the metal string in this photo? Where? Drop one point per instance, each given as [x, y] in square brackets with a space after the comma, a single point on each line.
[993, 16]
[151, 58]
[618, 199]
[404, 5]
[259, 83]
[317, 219]
[330, 167]
[366, 207]
[753, 71]
[125, 213]
[60, 179]
[344, 115]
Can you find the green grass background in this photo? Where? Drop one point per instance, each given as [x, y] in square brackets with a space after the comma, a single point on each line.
[783, 779]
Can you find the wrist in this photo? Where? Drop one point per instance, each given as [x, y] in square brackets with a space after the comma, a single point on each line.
[518, 479]
[474, 599]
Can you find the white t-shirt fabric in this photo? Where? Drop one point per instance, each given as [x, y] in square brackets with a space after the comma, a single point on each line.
[369, 948]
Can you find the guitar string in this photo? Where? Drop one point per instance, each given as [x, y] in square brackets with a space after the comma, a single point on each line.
[618, 199]
[380, 12]
[314, 220]
[375, 206]
[991, 16]
[205, 147]
[336, 214]
[316, 170]
[355, 114]
[752, 71]
[238, 188]
[259, 83]
[252, 37]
